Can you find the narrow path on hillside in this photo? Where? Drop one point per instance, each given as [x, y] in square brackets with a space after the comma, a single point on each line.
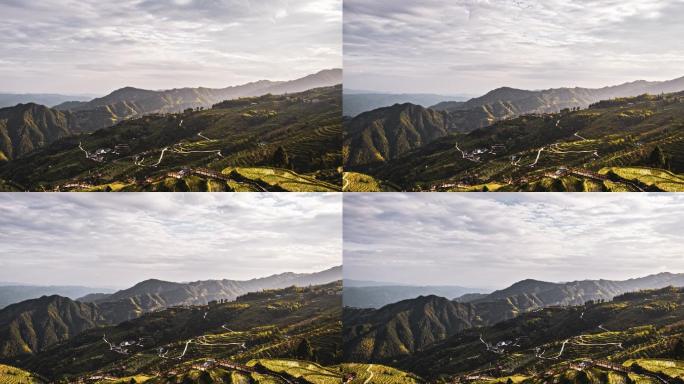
[371, 374]
[577, 134]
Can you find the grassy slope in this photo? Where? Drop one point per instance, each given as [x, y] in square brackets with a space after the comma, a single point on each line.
[638, 328]
[271, 324]
[381, 374]
[247, 132]
[12, 375]
[622, 132]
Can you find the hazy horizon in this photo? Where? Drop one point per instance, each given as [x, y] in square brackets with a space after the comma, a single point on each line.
[492, 241]
[92, 47]
[473, 47]
[103, 240]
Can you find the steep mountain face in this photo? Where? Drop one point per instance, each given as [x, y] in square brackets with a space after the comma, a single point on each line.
[641, 325]
[34, 325]
[26, 127]
[151, 295]
[129, 102]
[235, 138]
[403, 328]
[387, 133]
[11, 294]
[379, 296]
[606, 137]
[499, 104]
[276, 321]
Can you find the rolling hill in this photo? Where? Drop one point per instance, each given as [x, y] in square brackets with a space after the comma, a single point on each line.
[151, 295]
[400, 329]
[266, 143]
[34, 325]
[636, 337]
[629, 144]
[130, 102]
[466, 116]
[273, 336]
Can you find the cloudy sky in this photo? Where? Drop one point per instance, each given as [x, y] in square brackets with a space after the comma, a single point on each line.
[94, 46]
[492, 241]
[473, 46]
[118, 240]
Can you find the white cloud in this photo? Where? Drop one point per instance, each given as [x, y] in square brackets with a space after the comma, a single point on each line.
[93, 239]
[94, 46]
[473, 46]
[483, 240]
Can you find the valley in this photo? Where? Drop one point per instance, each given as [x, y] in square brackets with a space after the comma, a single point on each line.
[265, 136]
[627, 331]
[282, 335]
[619, 144]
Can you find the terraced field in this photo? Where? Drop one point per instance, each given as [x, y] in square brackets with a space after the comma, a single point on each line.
[552, 152]
[375, 373]
[265, 325]
[636, 338]
[358, 182]
[12, 375]
[281, 143]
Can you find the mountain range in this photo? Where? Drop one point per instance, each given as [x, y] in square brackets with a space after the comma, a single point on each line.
[10, 294]
[266, 143]
[130, 102]
[408, 326]
[390, 132]
[47, 99]
[636, 337]
[26, 127]
[377, 296]
[357, 102]
[276, 336]
[622, 144]
[34, 325]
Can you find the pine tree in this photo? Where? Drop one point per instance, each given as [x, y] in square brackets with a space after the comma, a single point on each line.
[280, 158]
[657, 158]
[304, 350]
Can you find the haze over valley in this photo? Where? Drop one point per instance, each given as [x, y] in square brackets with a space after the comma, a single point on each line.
[165, 76]
[212, 286]
[583, 287]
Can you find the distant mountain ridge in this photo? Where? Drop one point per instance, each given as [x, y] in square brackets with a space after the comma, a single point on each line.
[10, 294]
[381, 295]
[402, 328]
[47, 99]
[34, 325]
[358, 102]
[378, 136]
[130, 102]
[154, 294]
